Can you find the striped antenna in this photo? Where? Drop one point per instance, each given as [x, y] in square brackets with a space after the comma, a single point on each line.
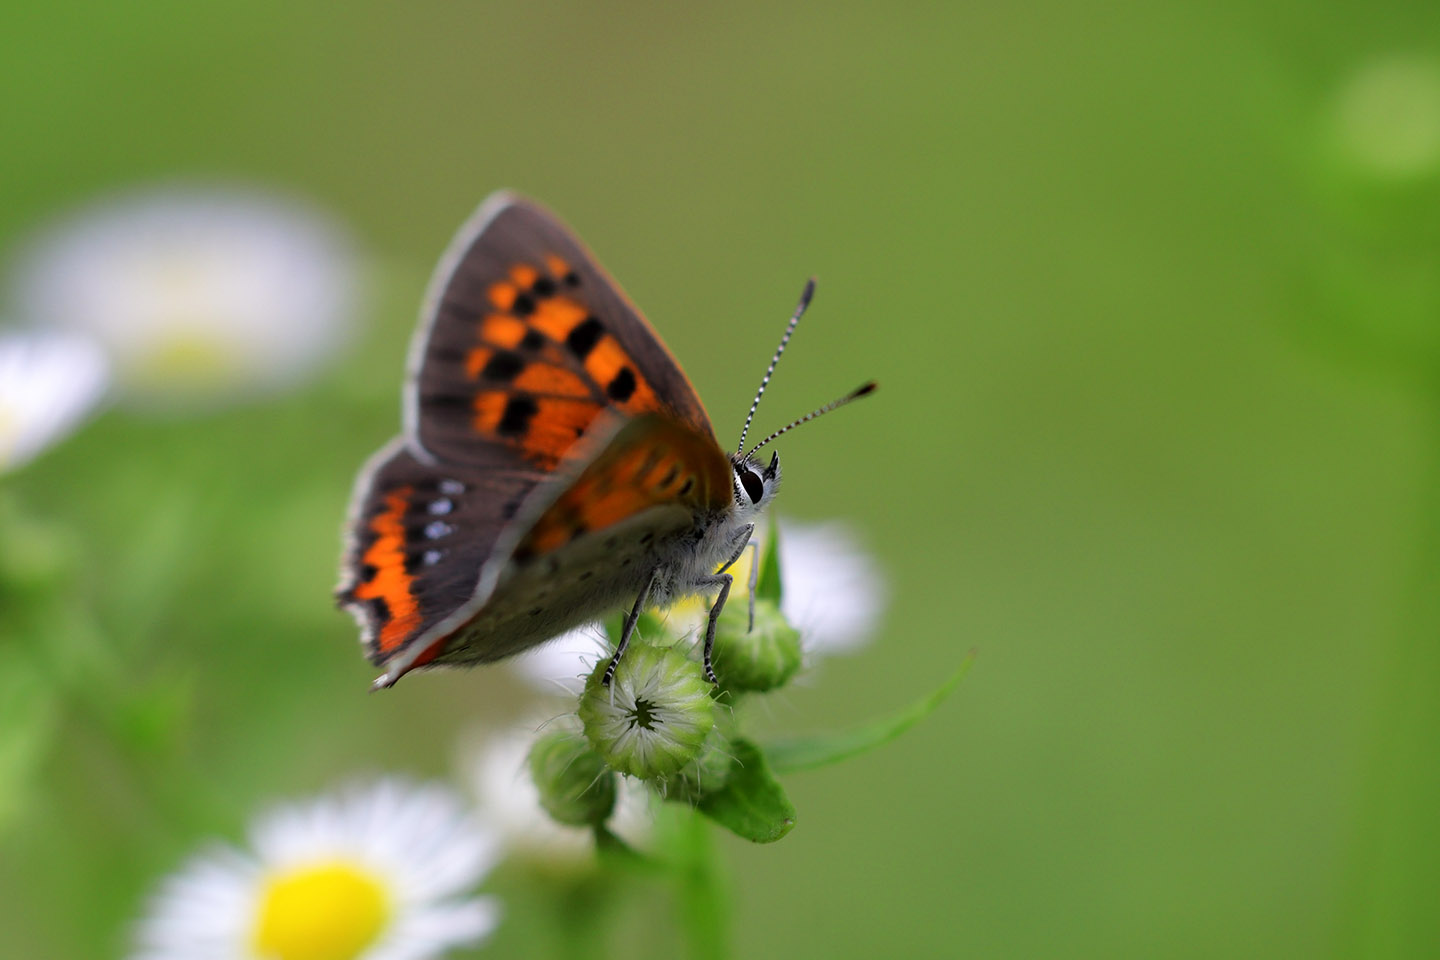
[805, 296]
[865, 389]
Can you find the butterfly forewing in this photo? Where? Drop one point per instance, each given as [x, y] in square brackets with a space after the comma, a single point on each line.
[526, 342]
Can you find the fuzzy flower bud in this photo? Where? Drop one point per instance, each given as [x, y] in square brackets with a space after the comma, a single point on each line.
[755, 660]
[654, 717]
[575, 786]
[710, 769]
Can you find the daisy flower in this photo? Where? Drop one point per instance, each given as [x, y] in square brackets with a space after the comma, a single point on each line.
[48, 383]
[196, 295]
[378, 872]
[509, 801]
[833, 592]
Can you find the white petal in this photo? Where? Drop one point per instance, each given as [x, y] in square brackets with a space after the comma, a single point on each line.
[434, 930]
[48, 383]
[833, 591]
[560, 666]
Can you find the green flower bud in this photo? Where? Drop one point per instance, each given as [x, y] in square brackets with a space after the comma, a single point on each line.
[755, 660]
[708, 772]
[575, 785]
[654, 717]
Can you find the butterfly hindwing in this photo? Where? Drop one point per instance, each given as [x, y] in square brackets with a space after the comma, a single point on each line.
[526, 341]
[419, 536]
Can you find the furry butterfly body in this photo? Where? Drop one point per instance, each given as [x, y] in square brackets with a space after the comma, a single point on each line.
[555, 464]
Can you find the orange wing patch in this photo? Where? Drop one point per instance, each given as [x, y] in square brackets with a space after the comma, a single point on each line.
[390, 586]
[664, 463]
[547, 365]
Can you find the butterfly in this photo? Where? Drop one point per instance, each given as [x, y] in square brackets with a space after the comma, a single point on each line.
[555, 463]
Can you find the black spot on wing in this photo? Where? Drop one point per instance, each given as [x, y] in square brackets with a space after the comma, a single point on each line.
[623, 386]
[504, 365]
[515, 421]
[379, 611]
[583, 338]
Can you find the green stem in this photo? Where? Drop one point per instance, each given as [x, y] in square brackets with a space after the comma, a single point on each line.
[704, 905]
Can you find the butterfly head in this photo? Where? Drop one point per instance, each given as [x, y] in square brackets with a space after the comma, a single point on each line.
[755, 483]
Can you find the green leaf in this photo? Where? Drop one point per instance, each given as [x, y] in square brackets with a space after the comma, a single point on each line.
[752, 804]
[807, 753]
[768, 586]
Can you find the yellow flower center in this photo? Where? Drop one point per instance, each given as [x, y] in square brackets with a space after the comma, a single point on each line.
[329, 911]
[188, 358]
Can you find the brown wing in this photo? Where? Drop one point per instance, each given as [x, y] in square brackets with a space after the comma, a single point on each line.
[525, 341]
[581, 545]
[418, 537]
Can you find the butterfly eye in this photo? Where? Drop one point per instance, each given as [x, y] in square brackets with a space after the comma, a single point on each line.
[754, 486]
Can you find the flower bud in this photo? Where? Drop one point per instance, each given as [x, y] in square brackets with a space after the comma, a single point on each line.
[575, 786]
[654, 717]
[709, 770]
[759, 659]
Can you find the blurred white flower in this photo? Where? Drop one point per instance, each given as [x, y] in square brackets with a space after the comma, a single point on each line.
[195, 294]
[1387, 117]
[48, 383]
[560, 666]
[380, 872]
[832, 591]
[509, 801]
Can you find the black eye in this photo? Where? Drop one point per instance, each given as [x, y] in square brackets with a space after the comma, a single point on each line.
[754, 488]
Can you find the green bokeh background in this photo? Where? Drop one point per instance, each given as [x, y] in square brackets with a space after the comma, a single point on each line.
[1158, 434]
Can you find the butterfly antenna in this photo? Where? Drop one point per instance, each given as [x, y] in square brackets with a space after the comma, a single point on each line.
[864, 389]
[805, 296]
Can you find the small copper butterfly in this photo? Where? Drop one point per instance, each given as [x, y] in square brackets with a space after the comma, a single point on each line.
[555, 462]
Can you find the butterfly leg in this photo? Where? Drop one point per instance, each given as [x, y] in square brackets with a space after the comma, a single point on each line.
[627, 630]
[747, 541]
[723, 581]
[754, 546]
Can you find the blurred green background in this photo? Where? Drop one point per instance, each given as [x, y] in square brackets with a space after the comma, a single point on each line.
[1155, 321]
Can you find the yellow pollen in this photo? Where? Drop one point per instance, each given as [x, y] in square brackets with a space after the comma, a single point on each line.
[327, 911]
[188, 358]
